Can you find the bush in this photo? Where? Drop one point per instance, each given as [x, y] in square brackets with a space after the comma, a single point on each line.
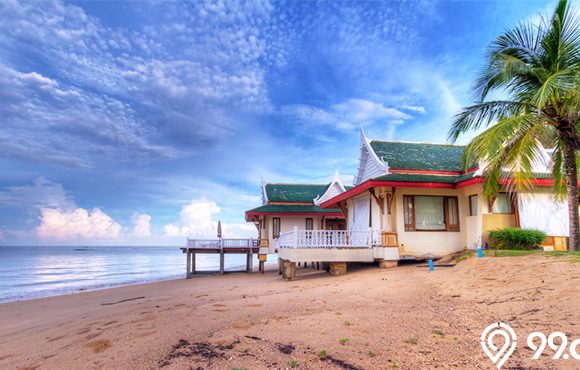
[515, 238]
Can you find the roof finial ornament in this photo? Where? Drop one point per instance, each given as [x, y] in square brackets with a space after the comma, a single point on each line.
[264, 194]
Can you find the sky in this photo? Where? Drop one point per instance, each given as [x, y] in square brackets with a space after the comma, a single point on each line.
[143, 123]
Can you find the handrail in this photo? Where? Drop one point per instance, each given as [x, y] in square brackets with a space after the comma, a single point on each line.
[328, 239]
[222, 243]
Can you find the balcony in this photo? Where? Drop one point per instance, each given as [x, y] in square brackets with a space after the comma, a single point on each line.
[328, 239]
[333, 246]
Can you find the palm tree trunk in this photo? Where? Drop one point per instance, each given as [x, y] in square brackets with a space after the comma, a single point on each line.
[569, 154]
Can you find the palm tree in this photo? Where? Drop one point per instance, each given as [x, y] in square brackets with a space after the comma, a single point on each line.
[536, 68]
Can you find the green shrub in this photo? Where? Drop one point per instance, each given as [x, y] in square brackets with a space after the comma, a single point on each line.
[515, 238]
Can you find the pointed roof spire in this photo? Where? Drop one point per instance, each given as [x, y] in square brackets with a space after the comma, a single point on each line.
[336, 177]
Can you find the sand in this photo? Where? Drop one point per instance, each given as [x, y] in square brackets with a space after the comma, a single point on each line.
[403, 318]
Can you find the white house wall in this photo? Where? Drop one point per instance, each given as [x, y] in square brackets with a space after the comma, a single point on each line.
[539, 210]
[474, 224]
[287, 223]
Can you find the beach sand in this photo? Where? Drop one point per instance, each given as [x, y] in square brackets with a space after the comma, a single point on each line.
[403, 318]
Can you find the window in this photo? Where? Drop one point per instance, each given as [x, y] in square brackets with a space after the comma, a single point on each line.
[409, 215]
[473, 205]
[452, 214]
[430, 213]
[309, 224]
[276, 227]
[502, 204]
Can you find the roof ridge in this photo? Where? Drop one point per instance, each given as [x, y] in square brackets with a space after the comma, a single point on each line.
[414, 142]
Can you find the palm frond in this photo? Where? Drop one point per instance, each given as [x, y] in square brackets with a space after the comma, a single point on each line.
[558, 84]
[482, 114]
[558, 173]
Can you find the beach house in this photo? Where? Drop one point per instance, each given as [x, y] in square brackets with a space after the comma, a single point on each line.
[289, 206]
[409, 200]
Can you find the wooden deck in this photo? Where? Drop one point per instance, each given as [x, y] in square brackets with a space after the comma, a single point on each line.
[249, 247]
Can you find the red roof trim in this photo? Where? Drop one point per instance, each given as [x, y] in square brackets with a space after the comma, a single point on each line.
[425, 172]
[291, 203]
[475, 180]
[537, 182]
[373, 183]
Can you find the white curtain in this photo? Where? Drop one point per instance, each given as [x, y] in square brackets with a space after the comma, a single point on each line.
[540, 211]
[429, 213]
[502, 204]
[361, 211]
[360, 221]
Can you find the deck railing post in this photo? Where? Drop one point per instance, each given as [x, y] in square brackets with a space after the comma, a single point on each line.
[370, 237]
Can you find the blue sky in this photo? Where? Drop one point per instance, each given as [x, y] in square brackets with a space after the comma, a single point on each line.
[141, 123]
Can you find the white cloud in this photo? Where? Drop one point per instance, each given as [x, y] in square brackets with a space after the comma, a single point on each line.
[349, 114]
[414, 108]
[41, 194]
[57, 224]
[196, 220]
[141, 225]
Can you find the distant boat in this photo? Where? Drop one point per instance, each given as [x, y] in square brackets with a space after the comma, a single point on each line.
[83, 249]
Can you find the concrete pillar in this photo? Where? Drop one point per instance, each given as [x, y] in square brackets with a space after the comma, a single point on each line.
[188, 265]
[192, 263]
[251, 257]
[388, 264]
[337, 268]
[222, 262]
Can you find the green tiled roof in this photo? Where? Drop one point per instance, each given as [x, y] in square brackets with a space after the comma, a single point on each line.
[404, 177]
[301, 193]
[466, 176]
[292, 208]
[419, 156]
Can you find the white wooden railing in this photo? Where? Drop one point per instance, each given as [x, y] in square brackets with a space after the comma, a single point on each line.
[328, 239]
[222, 243]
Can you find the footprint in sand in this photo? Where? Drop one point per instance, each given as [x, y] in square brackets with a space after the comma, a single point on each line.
[146, 334]
[84, 330]
[110, 323]
[56, 338]
[241, 325]
[143, 319]
[92, 336]
[31, 367]
[254, 305]
[99, 345]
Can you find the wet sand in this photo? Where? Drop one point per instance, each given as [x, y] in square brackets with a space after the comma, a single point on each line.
[403, 318]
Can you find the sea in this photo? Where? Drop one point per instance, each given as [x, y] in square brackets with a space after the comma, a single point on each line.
[28, 272]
